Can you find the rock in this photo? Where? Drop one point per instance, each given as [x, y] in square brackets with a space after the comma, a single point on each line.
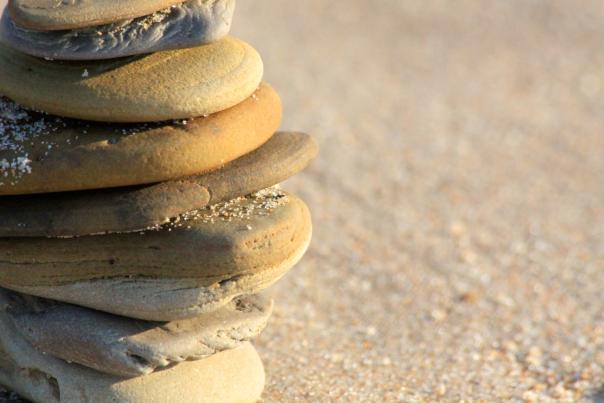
[52, 15]
[193, 265]
[42, 154]
[127, 347]
[132, 209]
[210, 245]
[161, 299]
[230, 376]
[175, 84]
[193, 23]
[283, 156]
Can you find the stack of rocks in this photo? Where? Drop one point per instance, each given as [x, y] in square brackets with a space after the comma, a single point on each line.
[139, 217]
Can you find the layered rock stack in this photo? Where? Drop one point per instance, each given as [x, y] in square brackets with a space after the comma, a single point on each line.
[139, 217]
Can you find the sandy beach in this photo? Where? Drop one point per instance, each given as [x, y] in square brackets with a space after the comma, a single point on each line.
[458, 201]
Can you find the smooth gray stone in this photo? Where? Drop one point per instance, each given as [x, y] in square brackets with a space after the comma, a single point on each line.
[128, 347]
[233, 376]
[190, 24]
[130, 209]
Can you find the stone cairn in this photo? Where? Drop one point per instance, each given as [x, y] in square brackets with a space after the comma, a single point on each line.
[139, 212]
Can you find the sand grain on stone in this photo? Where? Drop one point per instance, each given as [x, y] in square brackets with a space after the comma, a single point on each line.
[194, 264]
[210, 245]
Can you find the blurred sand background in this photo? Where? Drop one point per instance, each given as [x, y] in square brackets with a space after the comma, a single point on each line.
[458, 201]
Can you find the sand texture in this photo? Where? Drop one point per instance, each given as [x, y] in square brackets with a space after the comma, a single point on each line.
[458, 199]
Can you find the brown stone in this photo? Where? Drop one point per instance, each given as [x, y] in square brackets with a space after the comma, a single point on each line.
[41, 155]
[132, 209]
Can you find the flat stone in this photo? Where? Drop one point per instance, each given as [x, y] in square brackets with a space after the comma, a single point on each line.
[43, 154]
[51, 15]
[133, 209]
[161, 300]
[174, 84]
[190, 24]
[194, 265]
[127, 347]
[230, 376]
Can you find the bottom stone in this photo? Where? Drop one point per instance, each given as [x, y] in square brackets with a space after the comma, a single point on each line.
[230, 376]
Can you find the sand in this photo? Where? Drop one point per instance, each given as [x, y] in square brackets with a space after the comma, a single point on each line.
[458, 201]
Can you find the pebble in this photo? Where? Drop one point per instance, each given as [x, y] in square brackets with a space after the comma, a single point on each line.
[185, 83]
[45, 154]
[136, 209]
[191, 265]
[44, 15]
[192, 23]
[129, 348]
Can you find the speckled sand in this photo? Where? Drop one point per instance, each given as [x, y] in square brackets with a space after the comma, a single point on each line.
[458, 201]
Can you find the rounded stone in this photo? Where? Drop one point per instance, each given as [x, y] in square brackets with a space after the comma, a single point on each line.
[43, 154]
[190, 24]
[72, 214]
[175, 84]
[52, 15]
[232, 376]
[128, 347]
[196, 264]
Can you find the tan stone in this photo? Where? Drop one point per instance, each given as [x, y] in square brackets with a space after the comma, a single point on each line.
[216, 243]
[50, 15]
[175, 84]
[194, 265]
[132, 209]
[43, 155]
[163, 299]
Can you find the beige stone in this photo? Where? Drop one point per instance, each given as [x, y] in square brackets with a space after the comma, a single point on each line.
[132, 209]
[51, 15]
[232, 376]
[175, 84]
[126, 347]
[163, 299]
[40, 154]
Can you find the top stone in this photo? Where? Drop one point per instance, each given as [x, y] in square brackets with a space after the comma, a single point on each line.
[52, 15]
[186, 25]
